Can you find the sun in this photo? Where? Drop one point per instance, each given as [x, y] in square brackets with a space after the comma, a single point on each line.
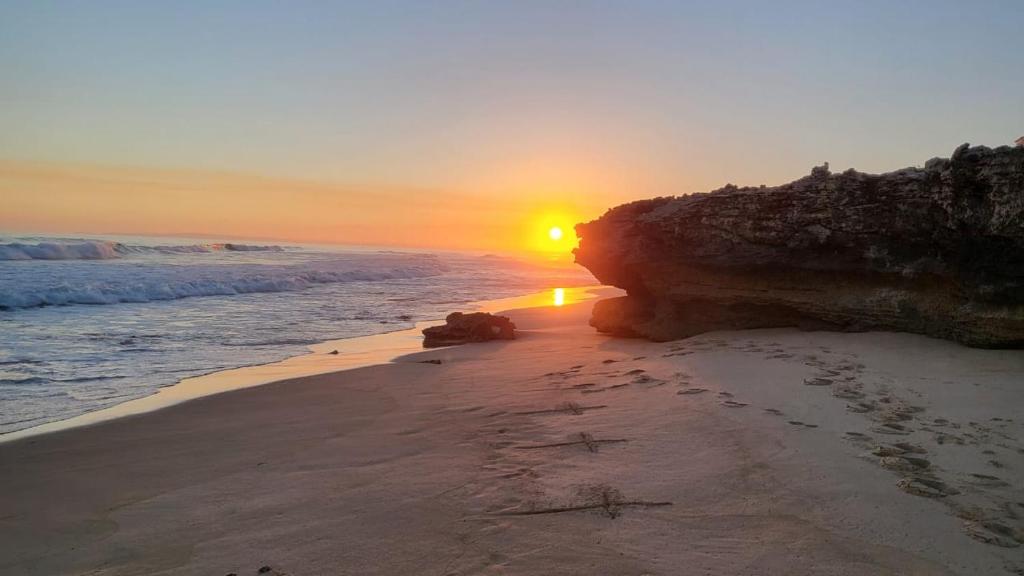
[551, 232]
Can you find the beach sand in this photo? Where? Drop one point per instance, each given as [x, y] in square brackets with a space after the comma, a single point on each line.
[562, 452]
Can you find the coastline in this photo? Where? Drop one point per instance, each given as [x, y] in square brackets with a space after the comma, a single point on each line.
[561, 452]
[354, 352]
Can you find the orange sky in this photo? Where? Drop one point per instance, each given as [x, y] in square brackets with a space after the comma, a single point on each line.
[469, 125]
[513, 216]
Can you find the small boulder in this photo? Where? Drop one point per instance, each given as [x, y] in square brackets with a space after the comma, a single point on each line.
[461, 328]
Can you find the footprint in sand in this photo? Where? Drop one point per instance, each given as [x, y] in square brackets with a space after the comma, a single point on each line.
[986, 481]
[995, 533]
[817, 382]
[635, 372]
[862, 440]
[909, 448]
[943, 438]
[689, 391]
[926, 487]
[773, 411]
[860, 407]
[899, 411]
[884, 451]
[847, 392]
[904, 463]
[733, 404]
[891, 428]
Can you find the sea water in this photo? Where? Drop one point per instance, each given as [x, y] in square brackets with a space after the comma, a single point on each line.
[86, 323]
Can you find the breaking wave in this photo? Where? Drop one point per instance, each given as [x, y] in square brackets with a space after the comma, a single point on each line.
[101, 250]
[272, 279]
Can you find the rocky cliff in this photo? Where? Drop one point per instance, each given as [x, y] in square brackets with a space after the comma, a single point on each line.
[937, 250]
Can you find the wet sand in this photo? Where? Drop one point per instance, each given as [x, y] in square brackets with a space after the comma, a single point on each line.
[563, 452]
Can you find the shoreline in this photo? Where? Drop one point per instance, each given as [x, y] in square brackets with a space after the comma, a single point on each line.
[354, 352]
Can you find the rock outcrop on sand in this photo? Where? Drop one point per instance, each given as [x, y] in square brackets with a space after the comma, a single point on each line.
[937, 250]
[461, 328]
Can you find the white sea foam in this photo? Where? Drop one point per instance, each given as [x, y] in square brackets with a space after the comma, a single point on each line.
[147, 284]
[104, 250]
[59, 251]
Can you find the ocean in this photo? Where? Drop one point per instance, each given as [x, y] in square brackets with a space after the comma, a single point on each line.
[90, 322]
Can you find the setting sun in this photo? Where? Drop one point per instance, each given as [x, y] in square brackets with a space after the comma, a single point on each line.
[550, 229]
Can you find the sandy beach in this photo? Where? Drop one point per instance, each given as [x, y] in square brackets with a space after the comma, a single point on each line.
[562, 452]
[451, 288]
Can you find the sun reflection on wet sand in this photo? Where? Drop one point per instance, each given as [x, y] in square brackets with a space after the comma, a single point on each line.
[558, 296]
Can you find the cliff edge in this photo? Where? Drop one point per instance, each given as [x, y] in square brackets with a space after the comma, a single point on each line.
[937, 250]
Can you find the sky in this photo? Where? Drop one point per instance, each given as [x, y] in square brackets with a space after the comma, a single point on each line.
[471, 125]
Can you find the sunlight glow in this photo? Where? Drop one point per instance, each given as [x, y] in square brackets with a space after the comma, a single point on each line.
[551, 230]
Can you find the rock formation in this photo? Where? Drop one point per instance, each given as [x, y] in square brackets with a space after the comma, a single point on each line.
[937, 250]
[461, 328]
